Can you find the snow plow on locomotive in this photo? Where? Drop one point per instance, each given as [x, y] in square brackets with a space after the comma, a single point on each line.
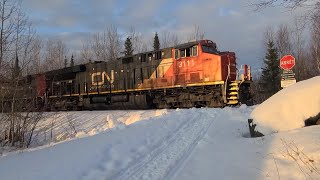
[193, 74]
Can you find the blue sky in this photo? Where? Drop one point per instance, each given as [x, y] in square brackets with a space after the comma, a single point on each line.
[232, 24]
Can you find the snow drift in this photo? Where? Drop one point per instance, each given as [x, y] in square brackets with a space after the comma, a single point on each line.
[182, 144]
[289, 108]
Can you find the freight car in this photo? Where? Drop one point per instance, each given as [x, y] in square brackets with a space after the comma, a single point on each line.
[193, 74]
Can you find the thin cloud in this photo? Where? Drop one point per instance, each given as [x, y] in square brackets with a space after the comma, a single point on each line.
[233, 25]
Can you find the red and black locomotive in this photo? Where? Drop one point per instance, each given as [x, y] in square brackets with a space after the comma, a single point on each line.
[193, 74]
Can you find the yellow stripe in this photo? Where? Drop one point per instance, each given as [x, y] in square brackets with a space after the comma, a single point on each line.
[146, 89]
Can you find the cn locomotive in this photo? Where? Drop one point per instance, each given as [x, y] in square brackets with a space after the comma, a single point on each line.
[194, 74]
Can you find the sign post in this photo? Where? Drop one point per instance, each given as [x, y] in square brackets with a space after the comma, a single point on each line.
[287, 62]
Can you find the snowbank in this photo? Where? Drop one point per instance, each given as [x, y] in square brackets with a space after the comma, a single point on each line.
[182, 144]
[289, 108]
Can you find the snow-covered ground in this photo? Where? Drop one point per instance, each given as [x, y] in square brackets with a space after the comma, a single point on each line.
[163, 144]
[177, 144]
[61, 126]
[289, 108]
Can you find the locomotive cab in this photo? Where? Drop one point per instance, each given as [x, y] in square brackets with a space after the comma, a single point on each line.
[200, 63]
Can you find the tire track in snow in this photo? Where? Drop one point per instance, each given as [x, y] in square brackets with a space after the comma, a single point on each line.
[164, 161]
[138, 162]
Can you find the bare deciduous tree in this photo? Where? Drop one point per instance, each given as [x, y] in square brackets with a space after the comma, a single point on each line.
[165, 39]
[168, 39]
[86, 53]
[56, 50]
[136, 40]
[315, 42]
[7, 10]
[260, 4]
[17, 44]
[197, 34]
[114, 42]
[269, 35]
[106, 46]
[36, 65]
[299, 51]
[283, 40]
[99, 46]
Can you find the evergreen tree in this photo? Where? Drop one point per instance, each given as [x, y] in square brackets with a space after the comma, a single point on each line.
[72, 61]
[156, 43]
[270, 79]
[128, 47]
[16, 68]
[65, 61]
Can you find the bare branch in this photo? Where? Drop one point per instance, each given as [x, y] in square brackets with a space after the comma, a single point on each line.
[292, 4]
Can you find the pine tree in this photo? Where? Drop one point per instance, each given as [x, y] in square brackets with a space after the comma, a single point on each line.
[270, 79]
[16, 68]
[65, 62]
[72, 61]
[156, 43]
[128, 47]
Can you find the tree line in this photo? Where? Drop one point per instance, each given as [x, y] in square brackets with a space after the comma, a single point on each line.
[301, 39]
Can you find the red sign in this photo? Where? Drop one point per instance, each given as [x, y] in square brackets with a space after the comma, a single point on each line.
[287, 62]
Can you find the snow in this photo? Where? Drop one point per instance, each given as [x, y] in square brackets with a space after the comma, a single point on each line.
[167, 144]
[179, 144]
[289, 108]
[61, 126]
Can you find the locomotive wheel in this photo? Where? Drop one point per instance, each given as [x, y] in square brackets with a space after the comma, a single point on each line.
[79, 108]
[53, 108]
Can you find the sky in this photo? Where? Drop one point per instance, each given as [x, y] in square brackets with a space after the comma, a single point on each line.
[232, 24]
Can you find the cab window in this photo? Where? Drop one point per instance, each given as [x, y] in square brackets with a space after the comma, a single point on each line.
[194, 51]
[182, 52]
[209, 49]
[176, 53]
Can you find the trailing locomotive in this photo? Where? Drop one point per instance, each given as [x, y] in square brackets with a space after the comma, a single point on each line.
[193, 74]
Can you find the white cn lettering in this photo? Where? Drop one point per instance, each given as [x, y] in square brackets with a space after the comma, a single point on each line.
[104, 76]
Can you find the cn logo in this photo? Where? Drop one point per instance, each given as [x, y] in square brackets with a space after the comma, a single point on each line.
[104, 77]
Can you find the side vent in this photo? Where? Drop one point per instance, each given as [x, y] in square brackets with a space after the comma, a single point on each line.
[194, 77]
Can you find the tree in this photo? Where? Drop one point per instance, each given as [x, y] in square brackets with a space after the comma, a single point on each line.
[136, 40]
[197, 34]
[16, 69]
[56, 51]
[8, 9]
[17, 48]
[286, 3]
[106, 45]
[113, 42]
[283, 40]
[315, 41]
[168, 39]
[270, 78]
[36, 56]
[128, 47]
[156, 42]
[299, 49]
[99, 46]
[86, 52]
[72, 61]
[65, 61]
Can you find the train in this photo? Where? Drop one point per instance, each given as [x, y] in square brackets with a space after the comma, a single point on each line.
[193, 74]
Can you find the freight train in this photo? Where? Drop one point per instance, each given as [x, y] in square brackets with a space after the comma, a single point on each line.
[193, 74]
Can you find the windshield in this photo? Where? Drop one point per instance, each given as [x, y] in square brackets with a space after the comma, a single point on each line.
[209, 49]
